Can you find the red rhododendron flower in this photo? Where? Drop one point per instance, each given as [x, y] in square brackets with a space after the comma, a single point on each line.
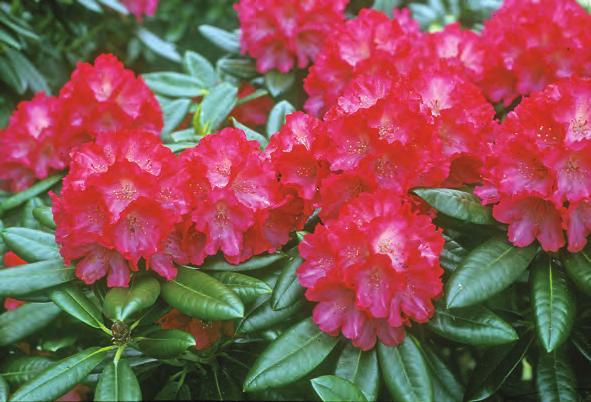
[538, 173]
[11, 260]
[120, 202]
[206, 333]
[105, 97]
[252, 113]
[139, 8]
[531, 43]
[373, 270]
[29, 144]
[280, 34]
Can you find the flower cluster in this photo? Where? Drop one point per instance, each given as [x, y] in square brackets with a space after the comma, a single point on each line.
[11, 260]
[206, 333]
[280, 34]
[538, 174]
[139, 8]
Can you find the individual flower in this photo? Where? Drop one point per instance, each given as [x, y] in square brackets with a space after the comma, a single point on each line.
[280, 34]
[538, 172]
[139, 8]
[531, 43]
[11, 260]
[206, 333]
[121, 202]
[372, 271]
[29, 144]
[254, 112]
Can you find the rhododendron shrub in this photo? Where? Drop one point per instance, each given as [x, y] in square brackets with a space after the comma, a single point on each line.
[206, 333]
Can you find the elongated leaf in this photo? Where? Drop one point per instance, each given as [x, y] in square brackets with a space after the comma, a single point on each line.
[361, 368]
[174, 113]
[118, 382]
[123, 303]
[19, 369]
[578, 268]
[27, 220]
[553, 303]
[457, 204]
[487, 270]
[218, 386]
[290, 357]
[4, 390]
[174, 84]
[44, 216]
[72, 300]
[333, 388]
[33, 191]
[216, 107]
[555, 378]
[475, 325]
[225, 40]
[452, 254]
[199, 67]
[32, 277]
[240, 67]
[92, 5]
[30, 244]
[494, 367]
[158, 45]
[23, 67]
[257, 262]
[197, 294]
[405, 372]
[166, 344]
[58, 379]
[25, 320]
[277, 116]
[250, 133]
[8, 39]
[246, 287]
[582, 343]
[446, 386]
[115, 5]
[262, 316]
[287, 289]
[277, 82]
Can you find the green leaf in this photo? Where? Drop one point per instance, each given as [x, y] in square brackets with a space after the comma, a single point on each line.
[262, 316]
[27, 220]
[17, 370]
[174, 113]
[218, 263]
[175, 85]
[124, 303]
[166, 344]
[216, 107]
[361, 368]
[200, 68]
[44, 216]
[30, 244]
[158, 45]
[386, 6]
[228, 41]
[250, 133]
[555, 378]
[58, 343]
[277, 82]
[240, 67]
[8, 39]
[333, 388]
[405, 372]
[287, 289]
[246, 287]
[217, 385]
[58, 379]
[446, 387]
[487, 270]
[117, 382]
[92, 5]
[475, 325]
[452, 255]
[553, 303]
[33, 191]
[494, 367]
[582, 343]
[115, 5]
[197, 294]
[277, 116]
[10, 77]
[578, 268]
[32, 277]
[25, 320]
[4, 390]
[71, 299]
[457, 204]
[290, 357]
[23, 67]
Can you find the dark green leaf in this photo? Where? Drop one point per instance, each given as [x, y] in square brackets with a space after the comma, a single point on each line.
[553, 303]
[30, 244]
[217, 385]
[92, 5]
[4, 390]
[174, 84]
[242, 68]
[361, 368]
[277, 82]
[58, 379]
[446, 387]
[55, 344]
[578, 268]
[166, 344]
[452, 254]
[25, 320]
[287, 289]
[197, 294]
[36, 189]
[158, 46]
[44, 216]
[32, 277]
[487, 270]
[20, 369]
[10, 77]
[262, 316]
[290, 357]
[216, 107]
[124, 303]
[23, 67]
[250, 133]
[220, 264]
[405, 372]
[246, 287]
[333, 388]
[277, 116]
[72, 300]
[475, 325]
[228, 41]
[8, 39]
[457, 204]
[555, 378]
[118, 383]
[582, 343]
[200, 68]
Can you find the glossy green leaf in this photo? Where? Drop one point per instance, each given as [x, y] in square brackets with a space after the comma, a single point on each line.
[199, 295]
[361, 368]
[474, 325]
[290, 357]
[4, 390]
[38, 188]
[71, 299]
[278, 82]
[175, 85]
[277, 116]
[246, 287]
[555, 378]
[578, 268]
[250, 133]
[582, 343]
[199, 67]
[553, 303]
[44, 216]
[158, 45]
[405, 372]
[494, 367]
[487, 270]
[446, 386]
[25, 320]
[124, 303]
[166, 344]
[54, 344]
[58, 379]
[228, 41]
[452, 254]
[333, 388]
[457, 204]
[288, 289]
[218, 263]
[32, 277]
[118, 382]
[17, 370]
[262, 316]
[30, 244]
[216, 107]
